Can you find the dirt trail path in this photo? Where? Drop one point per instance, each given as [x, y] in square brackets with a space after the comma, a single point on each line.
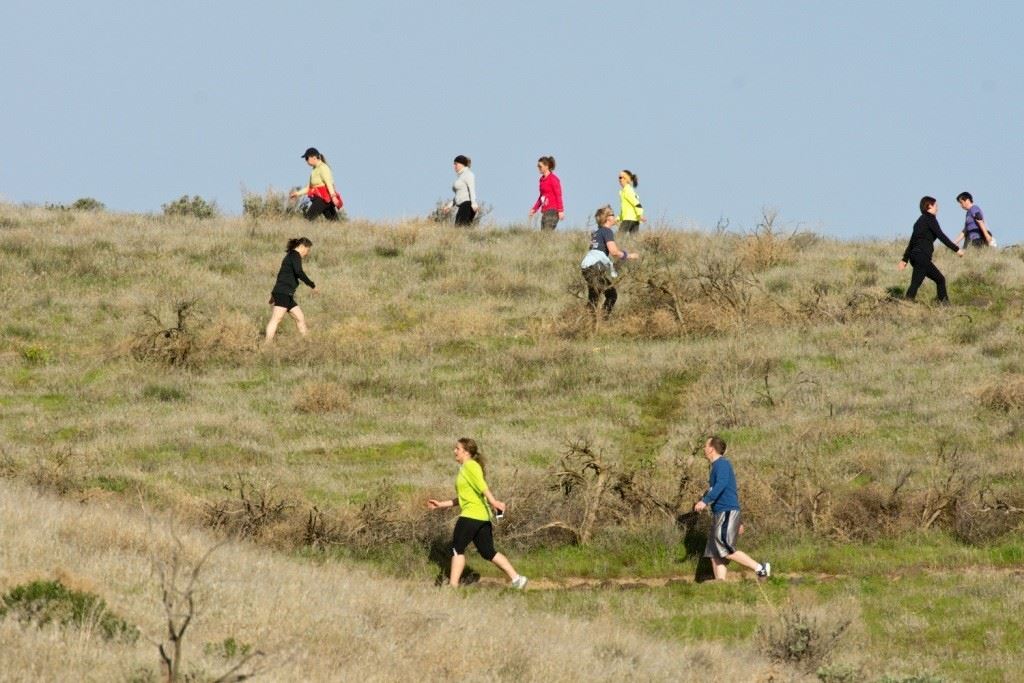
[633, 583]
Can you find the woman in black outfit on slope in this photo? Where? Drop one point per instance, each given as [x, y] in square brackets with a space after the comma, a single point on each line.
[920, 248]
[282, 298]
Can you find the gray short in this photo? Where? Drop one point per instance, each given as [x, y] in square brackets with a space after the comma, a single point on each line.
[549, 220]
[725, 527]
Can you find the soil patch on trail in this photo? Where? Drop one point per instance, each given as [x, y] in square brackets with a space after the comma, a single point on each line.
[640, 583]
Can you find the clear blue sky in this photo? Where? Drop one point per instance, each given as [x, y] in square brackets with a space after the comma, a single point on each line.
[840, 115]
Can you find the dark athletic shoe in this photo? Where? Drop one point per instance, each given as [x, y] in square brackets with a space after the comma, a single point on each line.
[766, 570]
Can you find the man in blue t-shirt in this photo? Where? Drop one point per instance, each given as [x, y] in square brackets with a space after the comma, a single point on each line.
[724, 500]
[975, 231]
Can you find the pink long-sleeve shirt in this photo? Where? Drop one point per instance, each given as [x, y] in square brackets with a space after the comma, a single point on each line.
[550, 198]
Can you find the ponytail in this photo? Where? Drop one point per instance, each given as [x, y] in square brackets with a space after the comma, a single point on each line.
[634, 180]
[469, 445]
[296, 241]
[548, 161]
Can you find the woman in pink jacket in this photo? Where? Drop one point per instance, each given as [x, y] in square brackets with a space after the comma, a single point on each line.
[550, 200]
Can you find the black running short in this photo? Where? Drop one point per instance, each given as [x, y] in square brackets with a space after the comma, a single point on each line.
[481, 533]
[285, 301]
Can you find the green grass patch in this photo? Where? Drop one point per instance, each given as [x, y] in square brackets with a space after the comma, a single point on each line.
[108, 483]
[163, 393]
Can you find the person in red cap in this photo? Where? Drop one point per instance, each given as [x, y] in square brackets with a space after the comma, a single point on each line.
[323, 196]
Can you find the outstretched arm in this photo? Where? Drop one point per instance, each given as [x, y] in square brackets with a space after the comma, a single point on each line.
[615, 252]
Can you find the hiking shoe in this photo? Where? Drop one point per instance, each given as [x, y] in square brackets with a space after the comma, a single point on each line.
[766, 570]
[519, 583]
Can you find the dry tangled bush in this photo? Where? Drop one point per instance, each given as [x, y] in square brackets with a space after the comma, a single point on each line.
[250, 509]
[168, 343]
[191, 339]
[765, 246]
[989, 517]
[320, 398]
[1005, 394]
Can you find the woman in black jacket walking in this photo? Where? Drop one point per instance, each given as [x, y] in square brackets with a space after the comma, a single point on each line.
[282, 297]
[920, 248]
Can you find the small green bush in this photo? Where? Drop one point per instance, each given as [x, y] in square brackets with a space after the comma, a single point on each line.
[88, 204]
[45, 602]
[163, 393]
[841, 673]
[229, 648]
[270, 204]
[195, 207]
[33, 354]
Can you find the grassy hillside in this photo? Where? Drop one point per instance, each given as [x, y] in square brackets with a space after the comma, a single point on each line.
[877, 442]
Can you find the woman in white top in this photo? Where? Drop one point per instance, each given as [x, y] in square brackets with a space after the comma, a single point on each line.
[465, 192]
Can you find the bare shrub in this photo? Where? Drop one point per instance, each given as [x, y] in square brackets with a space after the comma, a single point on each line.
[870, 512]
[949, 480]
[821, 303]
[320, 398]
[250, 510]
[585, 476]
[803, 488]
[170, 344]
[178, 580]
[593, 494]
[988, 518]
[379, 523]
[1005, 394]
[764, 247]
[725, 283]
[800, 639]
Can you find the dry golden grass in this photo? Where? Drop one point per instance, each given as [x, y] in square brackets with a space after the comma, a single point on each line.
[315, 622]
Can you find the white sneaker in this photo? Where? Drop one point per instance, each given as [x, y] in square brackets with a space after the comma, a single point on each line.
[766, 570]
[519, 583]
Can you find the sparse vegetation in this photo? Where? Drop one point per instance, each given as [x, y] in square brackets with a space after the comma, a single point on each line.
[874, 439]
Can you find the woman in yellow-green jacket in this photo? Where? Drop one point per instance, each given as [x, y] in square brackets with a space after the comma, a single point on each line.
[631, 213]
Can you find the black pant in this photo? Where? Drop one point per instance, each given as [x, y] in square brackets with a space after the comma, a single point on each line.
[318, 207]
[629, 226]
[465, 214]
[481, 533]
[599, 282]
[926, 269]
